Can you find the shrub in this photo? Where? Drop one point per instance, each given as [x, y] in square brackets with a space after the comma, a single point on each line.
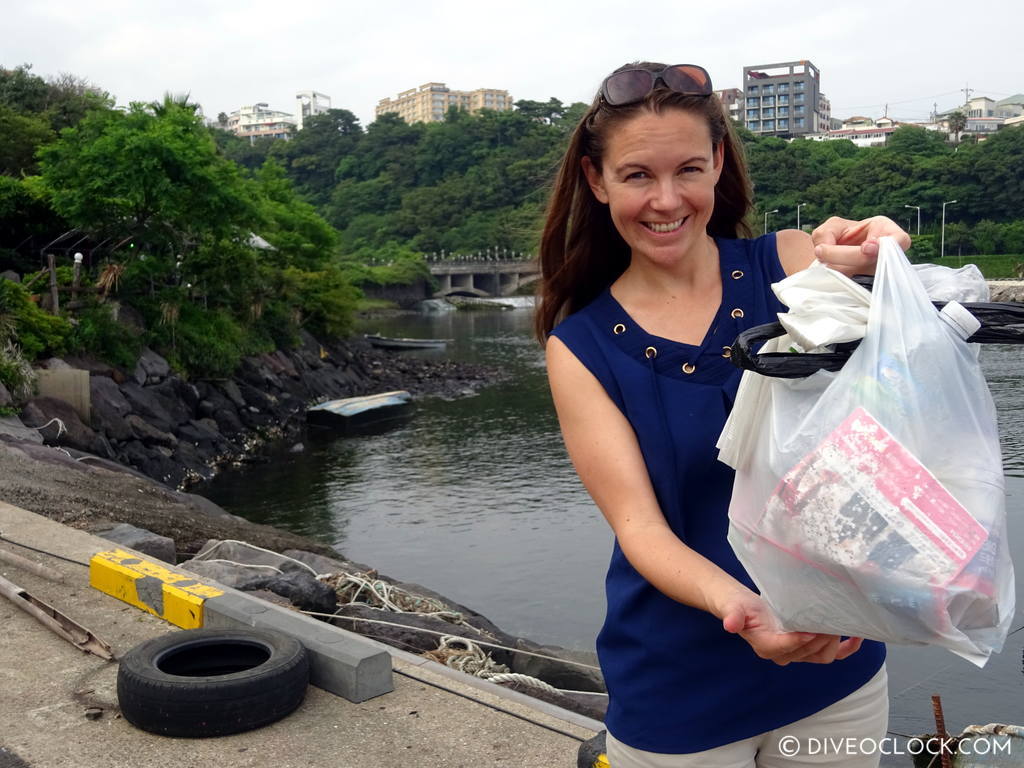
[16, 373]
[36, 332]
[98, 333]
[924, 249]
[202, 343]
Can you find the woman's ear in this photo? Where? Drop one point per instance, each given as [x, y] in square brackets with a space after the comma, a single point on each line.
[718, 160]
[594, 179]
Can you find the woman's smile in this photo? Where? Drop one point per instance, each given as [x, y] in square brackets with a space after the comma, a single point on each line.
[665, 227]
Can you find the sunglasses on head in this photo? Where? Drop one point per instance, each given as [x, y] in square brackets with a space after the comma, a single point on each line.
[631, 85]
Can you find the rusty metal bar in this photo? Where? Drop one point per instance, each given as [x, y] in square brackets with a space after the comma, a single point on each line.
[940, 730]
[55, 621]
[31, 566]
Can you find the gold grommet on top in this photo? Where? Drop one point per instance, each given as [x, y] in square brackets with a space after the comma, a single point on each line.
[619, 328]
[726, 351]
[689, 367]
[737, 274]
[650, 353]
[737, 312]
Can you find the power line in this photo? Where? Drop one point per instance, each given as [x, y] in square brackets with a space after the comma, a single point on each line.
[904, 101]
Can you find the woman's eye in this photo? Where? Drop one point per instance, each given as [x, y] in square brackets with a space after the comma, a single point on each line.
[637, 175]
[691, 169]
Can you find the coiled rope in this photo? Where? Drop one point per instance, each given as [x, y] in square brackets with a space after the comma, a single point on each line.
[377, 593]
[466, 656]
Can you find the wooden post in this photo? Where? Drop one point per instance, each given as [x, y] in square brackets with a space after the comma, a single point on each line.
[51, 260]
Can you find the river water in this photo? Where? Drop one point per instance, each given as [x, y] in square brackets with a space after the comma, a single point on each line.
[476, 499]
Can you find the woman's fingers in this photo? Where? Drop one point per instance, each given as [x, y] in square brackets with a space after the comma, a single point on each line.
[848, 647]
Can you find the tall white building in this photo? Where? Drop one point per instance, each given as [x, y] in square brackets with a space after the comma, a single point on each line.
[260, 121]
[308, 104]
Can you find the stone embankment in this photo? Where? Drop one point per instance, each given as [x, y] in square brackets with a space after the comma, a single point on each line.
[1006, 290]
[181, 432]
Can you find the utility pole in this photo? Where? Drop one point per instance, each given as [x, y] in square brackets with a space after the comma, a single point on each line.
[967, 93]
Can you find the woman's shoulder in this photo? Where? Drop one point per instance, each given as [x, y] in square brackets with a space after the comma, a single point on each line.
[582, 320]
[761, 255]
[795, 248]
[792, 247]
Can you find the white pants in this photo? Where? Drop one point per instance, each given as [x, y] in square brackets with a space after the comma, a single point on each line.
[843, 735]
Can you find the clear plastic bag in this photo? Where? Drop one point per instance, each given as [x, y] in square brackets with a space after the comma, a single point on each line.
[870, 501]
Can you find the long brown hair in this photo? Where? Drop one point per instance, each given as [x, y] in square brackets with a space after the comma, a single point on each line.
[581, 252]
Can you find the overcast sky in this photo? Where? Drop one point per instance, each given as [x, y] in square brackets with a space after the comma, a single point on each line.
[907, 54]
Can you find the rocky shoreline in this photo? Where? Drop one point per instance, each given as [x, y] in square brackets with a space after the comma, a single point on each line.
[183, 432]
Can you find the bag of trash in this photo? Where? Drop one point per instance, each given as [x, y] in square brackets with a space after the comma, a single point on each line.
[870, 501]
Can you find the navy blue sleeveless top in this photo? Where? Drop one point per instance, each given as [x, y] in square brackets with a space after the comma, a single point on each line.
[677, 681]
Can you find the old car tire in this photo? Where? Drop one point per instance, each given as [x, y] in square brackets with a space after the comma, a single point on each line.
[212, 682]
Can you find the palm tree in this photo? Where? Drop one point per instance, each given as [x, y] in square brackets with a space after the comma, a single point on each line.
[957, 121]
[172, 101]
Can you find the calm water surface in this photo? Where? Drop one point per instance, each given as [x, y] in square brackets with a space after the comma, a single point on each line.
[476, 499]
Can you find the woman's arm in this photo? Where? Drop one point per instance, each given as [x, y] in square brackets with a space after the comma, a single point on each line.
[851, 247]
[607, 457]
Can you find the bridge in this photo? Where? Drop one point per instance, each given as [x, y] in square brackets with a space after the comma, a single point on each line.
[482, 278]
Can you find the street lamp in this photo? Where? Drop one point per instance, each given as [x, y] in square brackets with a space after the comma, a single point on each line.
[918, 215]
[942, 247]
[798, 207]
[766, 219]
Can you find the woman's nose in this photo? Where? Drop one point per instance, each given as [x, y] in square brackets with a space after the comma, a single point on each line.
[666, 195]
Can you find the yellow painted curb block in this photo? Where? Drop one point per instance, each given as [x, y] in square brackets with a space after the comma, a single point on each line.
[174, 597]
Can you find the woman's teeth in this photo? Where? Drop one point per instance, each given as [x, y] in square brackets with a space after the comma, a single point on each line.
[666, 227]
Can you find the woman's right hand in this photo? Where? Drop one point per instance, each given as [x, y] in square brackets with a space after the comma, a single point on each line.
[746, 614]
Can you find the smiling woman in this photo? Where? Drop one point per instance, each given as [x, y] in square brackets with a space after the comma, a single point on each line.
[647, 278]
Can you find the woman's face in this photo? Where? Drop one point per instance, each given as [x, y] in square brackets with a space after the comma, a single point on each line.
[658, 177]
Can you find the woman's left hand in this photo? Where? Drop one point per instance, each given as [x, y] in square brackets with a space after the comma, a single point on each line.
[851, 247]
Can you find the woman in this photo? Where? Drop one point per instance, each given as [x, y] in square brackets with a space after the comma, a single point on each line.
[645, 284]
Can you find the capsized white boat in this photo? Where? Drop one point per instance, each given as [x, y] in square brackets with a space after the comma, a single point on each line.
[385, 342]
[357, 411]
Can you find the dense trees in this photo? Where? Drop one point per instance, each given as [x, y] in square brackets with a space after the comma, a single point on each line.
[917, 167]
[173, 206]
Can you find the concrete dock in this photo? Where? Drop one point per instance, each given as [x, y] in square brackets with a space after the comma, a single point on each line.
[434, 717]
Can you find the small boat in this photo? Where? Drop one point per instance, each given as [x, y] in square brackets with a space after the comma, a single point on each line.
[384, 342]
[354, 412]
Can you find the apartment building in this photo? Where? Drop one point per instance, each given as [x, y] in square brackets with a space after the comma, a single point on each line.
[732, 102]
[784, 99]
[260, 121]
[431, 101]
[309, 104]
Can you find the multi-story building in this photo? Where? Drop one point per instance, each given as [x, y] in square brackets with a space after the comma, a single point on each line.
[984, 115]
[308, 104]
[732, 101]
[784, 99]
[824, 112]
[260, 121]
[431, 101]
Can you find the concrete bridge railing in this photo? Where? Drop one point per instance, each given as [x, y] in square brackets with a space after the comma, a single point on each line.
[484, 279]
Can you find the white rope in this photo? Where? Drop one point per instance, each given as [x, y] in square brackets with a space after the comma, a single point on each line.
[390, 597]
[232, 562]
[259, 549]
[466, 656]
[531, 682]
[444, 634]
[61, 429]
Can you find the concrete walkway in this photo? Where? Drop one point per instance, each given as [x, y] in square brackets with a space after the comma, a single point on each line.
[47, 685]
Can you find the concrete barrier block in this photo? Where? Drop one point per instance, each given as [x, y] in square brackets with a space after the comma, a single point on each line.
[340, 662]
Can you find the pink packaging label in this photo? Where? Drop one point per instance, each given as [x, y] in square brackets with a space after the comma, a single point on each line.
[862, 499]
